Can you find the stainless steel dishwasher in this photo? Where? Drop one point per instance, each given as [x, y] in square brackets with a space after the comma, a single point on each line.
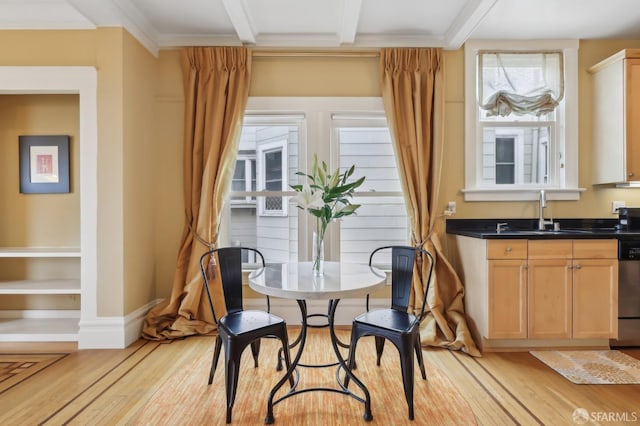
[628, 293]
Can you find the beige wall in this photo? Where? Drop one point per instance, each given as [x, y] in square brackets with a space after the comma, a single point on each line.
[139, 144]
[110, 64]
[42, 48]
[315, 76]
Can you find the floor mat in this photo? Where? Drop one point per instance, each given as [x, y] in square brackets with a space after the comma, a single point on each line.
[609, 367]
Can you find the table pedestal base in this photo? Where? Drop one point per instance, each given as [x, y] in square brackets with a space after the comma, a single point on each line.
[340, 364]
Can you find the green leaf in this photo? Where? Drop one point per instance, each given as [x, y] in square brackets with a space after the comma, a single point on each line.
[350, 186]
[351, 208]
[347, 210]
[316, 212]
[335, 178]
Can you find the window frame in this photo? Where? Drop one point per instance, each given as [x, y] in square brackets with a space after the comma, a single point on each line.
[261, 152]
[247, 201]
[565, 160]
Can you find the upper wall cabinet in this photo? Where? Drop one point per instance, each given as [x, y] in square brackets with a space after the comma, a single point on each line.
[616, 118]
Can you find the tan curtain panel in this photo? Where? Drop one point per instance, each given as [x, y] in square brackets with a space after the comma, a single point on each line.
[216, 83]
[412, 91]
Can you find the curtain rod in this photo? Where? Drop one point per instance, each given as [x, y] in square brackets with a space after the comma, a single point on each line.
[317, 53]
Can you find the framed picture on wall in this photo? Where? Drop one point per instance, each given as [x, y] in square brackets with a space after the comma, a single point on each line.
[44, 164]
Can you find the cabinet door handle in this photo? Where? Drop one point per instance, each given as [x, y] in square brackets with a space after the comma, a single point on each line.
[508, 250]
[630, 174]
[578, 266]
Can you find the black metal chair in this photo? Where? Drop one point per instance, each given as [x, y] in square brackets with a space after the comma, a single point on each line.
[396, 324]
[238, 328]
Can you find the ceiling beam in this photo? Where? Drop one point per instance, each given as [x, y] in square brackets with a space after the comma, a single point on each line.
[350, 18]
[241, 20]
[466, 22]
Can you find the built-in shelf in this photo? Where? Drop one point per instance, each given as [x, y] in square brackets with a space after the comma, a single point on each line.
[39, 330]
[39, 326]
[39, 252]
[59, 286]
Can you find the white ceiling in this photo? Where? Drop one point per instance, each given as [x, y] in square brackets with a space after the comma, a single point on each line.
[331, 23]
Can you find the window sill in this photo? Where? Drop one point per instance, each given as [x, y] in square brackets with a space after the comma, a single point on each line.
[520, 194]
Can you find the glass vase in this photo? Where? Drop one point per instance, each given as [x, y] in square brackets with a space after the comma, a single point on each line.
[318, 255]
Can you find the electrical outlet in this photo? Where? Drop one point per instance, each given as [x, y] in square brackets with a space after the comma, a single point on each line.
[451, 208]
[615, 205]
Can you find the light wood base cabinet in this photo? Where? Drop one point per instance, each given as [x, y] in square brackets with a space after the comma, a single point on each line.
[507, 299]
[507, 289]
[550, 285]
[595, 298]
[539, 290]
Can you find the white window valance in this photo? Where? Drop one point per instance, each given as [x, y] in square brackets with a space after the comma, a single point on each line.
[521, 83]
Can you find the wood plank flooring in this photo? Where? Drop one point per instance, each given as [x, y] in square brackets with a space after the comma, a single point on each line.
[57, 384]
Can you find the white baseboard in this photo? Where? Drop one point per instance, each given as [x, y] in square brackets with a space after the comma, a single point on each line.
[113, 332]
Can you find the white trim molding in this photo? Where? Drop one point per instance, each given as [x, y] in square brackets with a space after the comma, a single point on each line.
[113, 332]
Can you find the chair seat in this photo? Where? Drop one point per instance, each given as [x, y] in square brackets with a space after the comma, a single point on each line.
[246, 321]
[388, 319]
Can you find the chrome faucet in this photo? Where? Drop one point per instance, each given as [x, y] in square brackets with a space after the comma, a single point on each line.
[501, 226]
[542, 223]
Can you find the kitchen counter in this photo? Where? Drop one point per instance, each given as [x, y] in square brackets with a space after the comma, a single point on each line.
[527, 229]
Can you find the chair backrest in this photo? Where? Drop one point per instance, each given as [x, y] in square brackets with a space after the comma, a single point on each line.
[402, 266]
[229, 263]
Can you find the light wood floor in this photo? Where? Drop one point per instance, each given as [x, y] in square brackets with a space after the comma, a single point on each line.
[55, 384]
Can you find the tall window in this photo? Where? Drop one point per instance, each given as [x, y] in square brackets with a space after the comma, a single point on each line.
[280, 137]
[521, 123]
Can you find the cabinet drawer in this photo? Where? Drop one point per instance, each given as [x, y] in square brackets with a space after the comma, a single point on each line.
[550, 249]
[506, 249]
[595, 249]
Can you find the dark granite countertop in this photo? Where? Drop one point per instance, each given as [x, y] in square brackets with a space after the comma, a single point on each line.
[527, 229]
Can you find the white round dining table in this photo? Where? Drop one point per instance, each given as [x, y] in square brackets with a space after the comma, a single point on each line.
[297, 281]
